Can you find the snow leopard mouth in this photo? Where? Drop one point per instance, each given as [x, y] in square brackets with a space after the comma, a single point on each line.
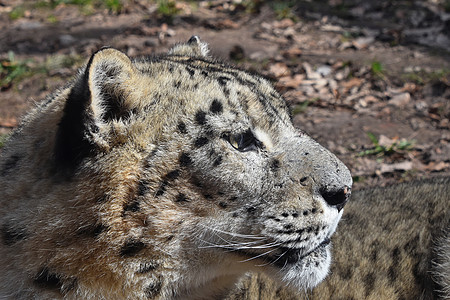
[293, 255]
[286, 256]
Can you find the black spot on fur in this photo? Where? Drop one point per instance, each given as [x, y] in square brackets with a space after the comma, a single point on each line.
[147, 267]
[190, 71]
[171, 69]
[45, 279]
[251, 209]
[10, 164]
[98, 229]
[172, 175]
[209, 131]
[182, 128]
[195, 181]
[395, 254]
[102, 199]
[131, 248]
[346, 273]
[369, 282]
[217, 161]
[181, 198]
[234, 198]
[274, 95]
[392, 273]
[374, 246]
[205, 73]
[216, 107]
[142, 187]
[274, 165]
[176, 84]
[223, 205]
[200, 117]
[132, 207]
[92, 231]
[162, 188]
[152, 290]
[223, 80]
[412, 244]
[373, 255]
[185, 160]
[11, 236]
[200, 142]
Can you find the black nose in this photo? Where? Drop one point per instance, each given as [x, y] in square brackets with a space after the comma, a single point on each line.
[336, 197]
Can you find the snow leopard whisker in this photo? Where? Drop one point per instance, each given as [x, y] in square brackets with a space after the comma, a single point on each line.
[241, 246]
[233, 234]
[274, 261]
[259, 255]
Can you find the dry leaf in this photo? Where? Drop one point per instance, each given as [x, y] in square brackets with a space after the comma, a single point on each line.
[279, 70]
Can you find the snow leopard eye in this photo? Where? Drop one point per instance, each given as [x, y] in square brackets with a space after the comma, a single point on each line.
[243, 142]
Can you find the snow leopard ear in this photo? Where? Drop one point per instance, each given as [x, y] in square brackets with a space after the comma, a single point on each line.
[193, 47]
[108, 77]
[99, 97]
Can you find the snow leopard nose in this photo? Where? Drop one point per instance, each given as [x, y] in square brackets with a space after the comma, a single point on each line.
[330, 178]
[336, 197]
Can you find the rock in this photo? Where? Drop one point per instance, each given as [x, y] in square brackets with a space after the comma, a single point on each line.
[320, 83]
[385, 141]
[421, 106]
[67, 40]
[324, 70]
[441, 154]
[28, 25]
[331, 28]
[363, 42]
[401, 166]
[310, 74]
[400, 100]
[342, 74]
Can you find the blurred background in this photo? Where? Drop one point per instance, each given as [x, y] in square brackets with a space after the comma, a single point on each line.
[370, 80]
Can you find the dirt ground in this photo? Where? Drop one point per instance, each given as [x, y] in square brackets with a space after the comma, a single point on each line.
[370, 80]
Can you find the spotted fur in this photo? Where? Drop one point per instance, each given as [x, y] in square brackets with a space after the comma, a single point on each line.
[166, 177]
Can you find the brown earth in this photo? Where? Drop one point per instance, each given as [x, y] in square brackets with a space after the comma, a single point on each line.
[349, 71]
